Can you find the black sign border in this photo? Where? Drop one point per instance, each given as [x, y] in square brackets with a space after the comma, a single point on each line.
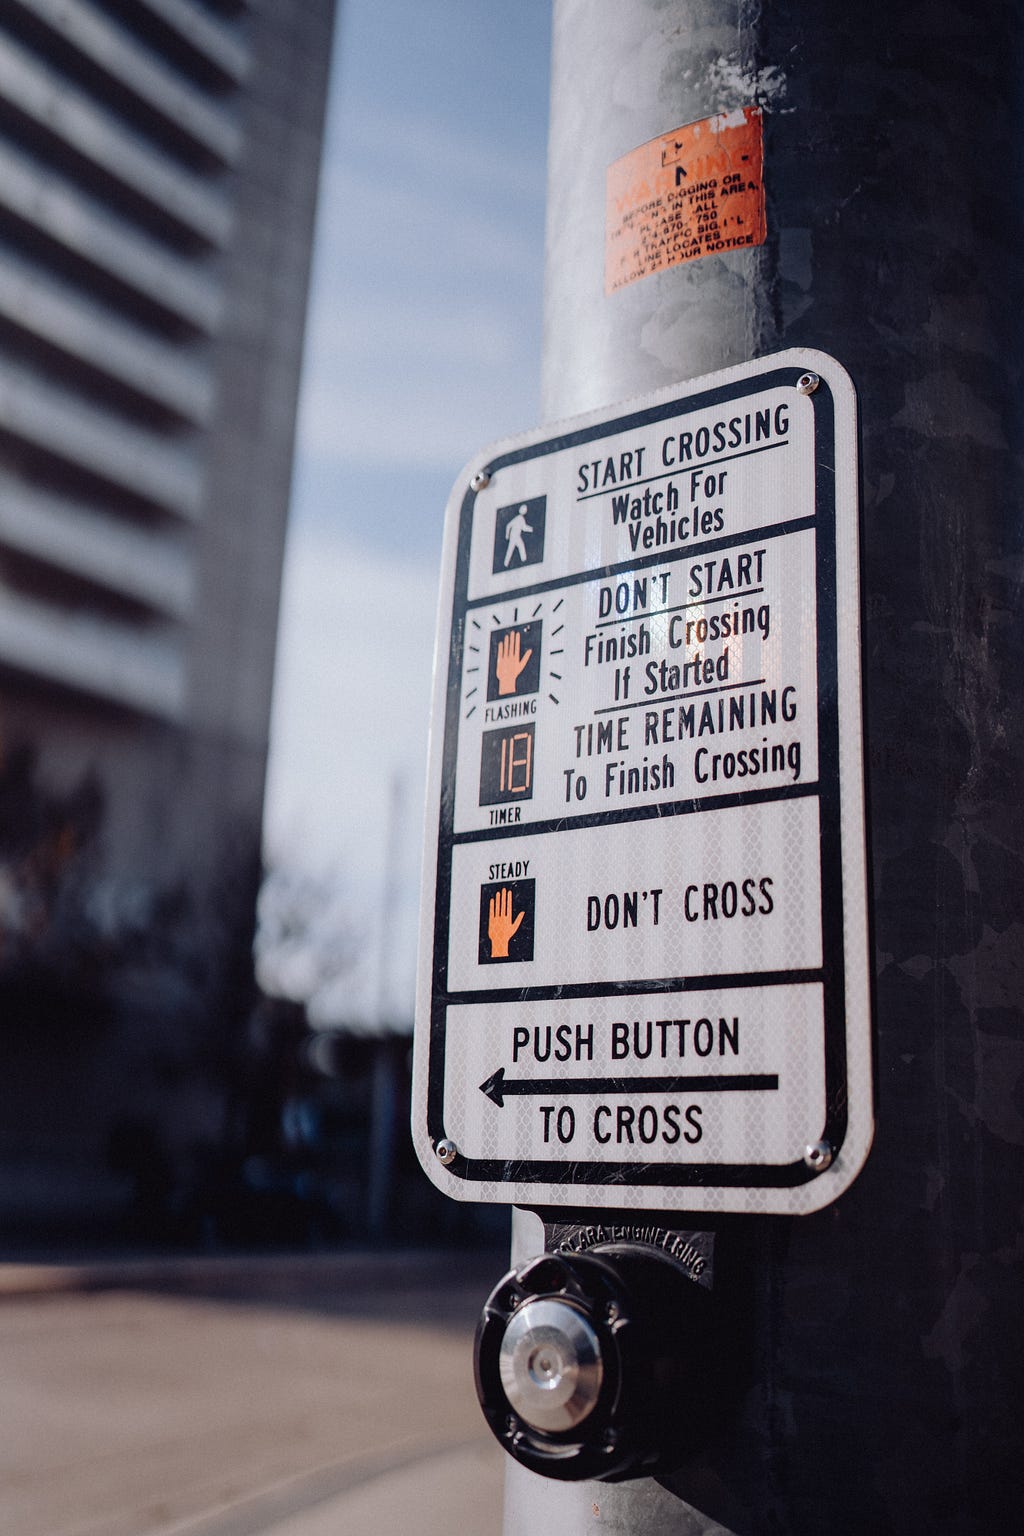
[572, 1175]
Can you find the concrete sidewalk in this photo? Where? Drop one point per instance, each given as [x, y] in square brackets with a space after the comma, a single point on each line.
[458, 1492]
[288, 1395]
[455, 1493]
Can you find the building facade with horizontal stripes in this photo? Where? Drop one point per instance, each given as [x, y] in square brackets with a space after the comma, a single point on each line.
[158, 174]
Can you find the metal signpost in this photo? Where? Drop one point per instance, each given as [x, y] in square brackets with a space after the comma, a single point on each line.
[644, 996]
[644, 949]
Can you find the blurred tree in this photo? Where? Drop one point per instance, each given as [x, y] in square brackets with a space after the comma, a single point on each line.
[308, 939]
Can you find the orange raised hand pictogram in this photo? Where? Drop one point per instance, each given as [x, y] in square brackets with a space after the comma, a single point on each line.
[508, 663]
[501, 926]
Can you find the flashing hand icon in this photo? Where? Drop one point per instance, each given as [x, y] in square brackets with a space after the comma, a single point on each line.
[501, 926]
[508, 663]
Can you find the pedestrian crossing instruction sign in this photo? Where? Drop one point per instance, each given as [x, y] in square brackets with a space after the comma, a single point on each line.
[644, 963]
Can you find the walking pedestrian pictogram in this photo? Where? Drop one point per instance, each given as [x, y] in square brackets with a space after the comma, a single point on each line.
[519, 534]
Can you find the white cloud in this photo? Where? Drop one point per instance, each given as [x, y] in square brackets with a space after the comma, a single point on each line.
[473, 332]
[423, 346]
[424, 429]
[347, 773]
[416, 227]
[351, 704]
[426, 147]
[416, 376]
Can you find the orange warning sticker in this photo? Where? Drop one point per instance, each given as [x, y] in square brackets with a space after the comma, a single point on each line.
[696, 192]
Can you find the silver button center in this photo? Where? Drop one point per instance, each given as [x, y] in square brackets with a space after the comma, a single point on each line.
[550, 1364]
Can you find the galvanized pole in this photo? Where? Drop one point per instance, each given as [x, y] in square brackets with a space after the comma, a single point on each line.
[886, 1363]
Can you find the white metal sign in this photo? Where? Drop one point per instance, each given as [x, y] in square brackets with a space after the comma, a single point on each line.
[644, 975]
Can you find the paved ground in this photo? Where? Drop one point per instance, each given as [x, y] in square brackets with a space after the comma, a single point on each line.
[269, 1399]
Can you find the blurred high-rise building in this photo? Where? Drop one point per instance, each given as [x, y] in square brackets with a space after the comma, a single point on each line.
[158, 175]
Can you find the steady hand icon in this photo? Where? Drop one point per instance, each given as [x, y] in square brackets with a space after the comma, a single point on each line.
[501, 927]
[508, 663]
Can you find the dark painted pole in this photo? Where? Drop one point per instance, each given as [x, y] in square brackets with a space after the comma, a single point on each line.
[885, 1390]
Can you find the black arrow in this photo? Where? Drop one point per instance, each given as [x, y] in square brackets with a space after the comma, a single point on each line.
[498, 1087]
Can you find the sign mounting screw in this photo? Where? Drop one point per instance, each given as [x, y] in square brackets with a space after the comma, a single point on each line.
[482, 479]
[807, 383]
[446, 1152]
[818, 1155]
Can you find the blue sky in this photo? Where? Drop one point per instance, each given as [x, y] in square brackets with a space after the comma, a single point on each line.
[423, 345]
